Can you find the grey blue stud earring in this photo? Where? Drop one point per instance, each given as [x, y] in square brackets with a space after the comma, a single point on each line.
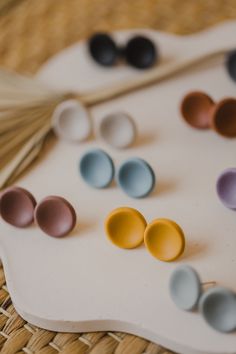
[218, 308]
[136, 178]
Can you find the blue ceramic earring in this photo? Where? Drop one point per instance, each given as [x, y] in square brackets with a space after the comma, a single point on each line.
[217, 305]
[97, 168]
[218, 308]
[136, 178]
[185, 288]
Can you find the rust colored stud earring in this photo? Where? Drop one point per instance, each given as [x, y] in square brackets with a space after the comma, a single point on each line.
[196, 108]
[201, 112]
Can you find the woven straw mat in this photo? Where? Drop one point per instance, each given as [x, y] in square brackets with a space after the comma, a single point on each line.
[30, 32]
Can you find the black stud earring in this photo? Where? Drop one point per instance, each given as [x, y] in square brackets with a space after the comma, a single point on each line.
[139, 52]
[103, 49]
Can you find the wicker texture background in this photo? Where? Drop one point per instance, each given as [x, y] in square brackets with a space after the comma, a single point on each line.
[30, 32]
[33, 30]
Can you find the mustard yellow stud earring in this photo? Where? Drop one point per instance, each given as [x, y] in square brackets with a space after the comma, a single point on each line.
[125, 227]
[164, 239]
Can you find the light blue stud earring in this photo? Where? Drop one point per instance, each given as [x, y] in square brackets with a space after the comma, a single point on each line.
[136, 178]
[97, 168]
[185, 287]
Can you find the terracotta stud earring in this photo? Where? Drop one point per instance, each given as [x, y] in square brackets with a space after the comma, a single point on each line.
[200, 111]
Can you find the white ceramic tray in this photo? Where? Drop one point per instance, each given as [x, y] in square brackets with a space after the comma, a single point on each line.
[84, 283]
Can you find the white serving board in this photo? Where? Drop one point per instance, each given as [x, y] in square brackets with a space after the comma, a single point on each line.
[83, 282]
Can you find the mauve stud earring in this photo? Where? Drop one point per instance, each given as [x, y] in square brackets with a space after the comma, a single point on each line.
[54, 215]
[17, 206]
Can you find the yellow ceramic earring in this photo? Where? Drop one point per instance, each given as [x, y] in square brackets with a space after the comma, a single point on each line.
[125, 227]
[163, 238]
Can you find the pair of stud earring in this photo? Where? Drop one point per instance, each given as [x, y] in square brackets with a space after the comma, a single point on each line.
[139, 52]
[127, 228]
[217, 304]
[54, 215]
[201, 112]
[135, 176]
[71, 122]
